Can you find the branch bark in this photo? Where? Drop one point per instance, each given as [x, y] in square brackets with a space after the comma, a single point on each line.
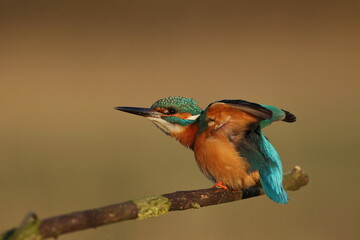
[34, 229]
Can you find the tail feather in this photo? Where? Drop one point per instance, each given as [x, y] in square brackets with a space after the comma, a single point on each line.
[289, 117]
[272, 186]
[271, 174]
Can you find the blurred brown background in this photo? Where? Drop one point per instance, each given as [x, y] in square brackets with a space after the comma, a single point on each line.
[64, 65]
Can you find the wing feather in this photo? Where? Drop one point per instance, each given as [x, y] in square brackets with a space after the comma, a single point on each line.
[260, 112]
[243, 121]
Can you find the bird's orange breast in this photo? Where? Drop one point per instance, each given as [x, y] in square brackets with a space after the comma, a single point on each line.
[217, 157]
[219, 161]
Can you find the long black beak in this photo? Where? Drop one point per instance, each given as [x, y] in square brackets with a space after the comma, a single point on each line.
[145, 112]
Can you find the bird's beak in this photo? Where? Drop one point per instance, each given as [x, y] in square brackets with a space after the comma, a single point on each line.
[145, 112]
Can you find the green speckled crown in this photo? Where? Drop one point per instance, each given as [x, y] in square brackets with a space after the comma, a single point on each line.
[181, 104]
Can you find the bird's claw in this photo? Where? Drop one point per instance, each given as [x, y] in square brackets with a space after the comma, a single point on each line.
[220, 185]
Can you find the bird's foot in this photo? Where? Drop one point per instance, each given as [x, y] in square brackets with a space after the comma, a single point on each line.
[220, 185]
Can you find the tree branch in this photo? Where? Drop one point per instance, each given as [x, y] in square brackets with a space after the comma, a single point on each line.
[34, 229]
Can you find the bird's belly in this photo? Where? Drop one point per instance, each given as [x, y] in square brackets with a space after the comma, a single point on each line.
[220, 162]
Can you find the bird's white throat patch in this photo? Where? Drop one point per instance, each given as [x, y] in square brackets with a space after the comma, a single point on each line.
[165, 126]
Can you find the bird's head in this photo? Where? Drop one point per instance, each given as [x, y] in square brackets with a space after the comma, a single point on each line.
[170, 114]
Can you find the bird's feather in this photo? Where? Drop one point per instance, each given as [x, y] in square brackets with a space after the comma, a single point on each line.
[255, 109]
[277, 115]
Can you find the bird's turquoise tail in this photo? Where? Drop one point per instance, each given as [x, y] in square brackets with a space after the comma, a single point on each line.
[271, 171]
[272, 186]
[271, 174]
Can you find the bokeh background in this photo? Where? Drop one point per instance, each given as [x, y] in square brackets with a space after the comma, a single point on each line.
[64, 65]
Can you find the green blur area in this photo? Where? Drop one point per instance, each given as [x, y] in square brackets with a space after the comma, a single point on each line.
[64, 65]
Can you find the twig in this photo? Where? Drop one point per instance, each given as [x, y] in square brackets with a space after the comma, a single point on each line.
[34, 229]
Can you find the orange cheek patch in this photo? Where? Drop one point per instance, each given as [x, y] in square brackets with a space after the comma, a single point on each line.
[182, 115]
[162, 110]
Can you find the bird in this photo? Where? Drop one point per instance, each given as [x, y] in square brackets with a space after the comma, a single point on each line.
[227, 140]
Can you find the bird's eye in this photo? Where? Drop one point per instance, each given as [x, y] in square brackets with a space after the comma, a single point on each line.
[172, 110]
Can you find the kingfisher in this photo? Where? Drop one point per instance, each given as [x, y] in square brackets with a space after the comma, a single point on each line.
[229, 146]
